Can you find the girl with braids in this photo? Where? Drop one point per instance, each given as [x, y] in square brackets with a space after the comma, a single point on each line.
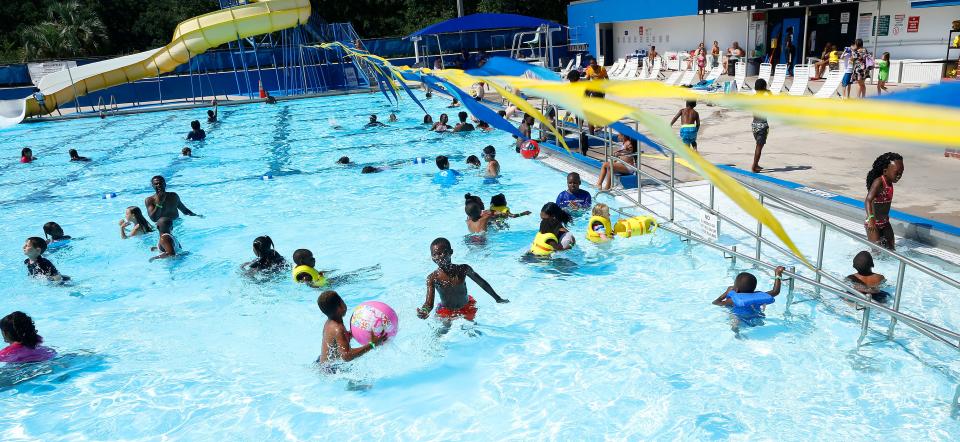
[887, 169]
[19, 331]
[268, 260]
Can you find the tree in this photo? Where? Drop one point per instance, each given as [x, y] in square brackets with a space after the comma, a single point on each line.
[69, 30]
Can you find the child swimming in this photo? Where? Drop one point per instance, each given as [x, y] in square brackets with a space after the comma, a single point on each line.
[865, 281]
[446, 175]
[37, 265]
[493, 166]
[546, 242]
[746, 283]
[373, 122]
[75, 157]
[167, 245]
[552, 210]
[26, 155]
[336, 338]
[19, 331]
[54, 234]
[196, 133]
[186, 152]
[441, 125]
[599, 229]
[304, 271]
[478, 219]
[450, 282]
[268, 260]
[498, 205]
[133, 216]
[473, 161]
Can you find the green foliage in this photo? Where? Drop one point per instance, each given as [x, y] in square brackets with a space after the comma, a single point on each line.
[56, 28]
[68, 30]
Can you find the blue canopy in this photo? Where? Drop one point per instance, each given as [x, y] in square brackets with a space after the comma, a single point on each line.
[481, 22]
[933, 3]
[943, 94]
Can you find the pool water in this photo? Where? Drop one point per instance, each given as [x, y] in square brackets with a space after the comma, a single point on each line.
[611, 342]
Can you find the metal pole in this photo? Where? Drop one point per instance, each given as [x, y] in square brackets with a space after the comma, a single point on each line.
[896, 298]
[864, 326]
[673, 181]
[159, 89]
[759, 232]
[803, 49]
[820, 244]
[876, 29]
[459, 8]
[790, 287]
[76, 96]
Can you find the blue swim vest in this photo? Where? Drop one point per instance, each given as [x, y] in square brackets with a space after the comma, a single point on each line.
[748, 304]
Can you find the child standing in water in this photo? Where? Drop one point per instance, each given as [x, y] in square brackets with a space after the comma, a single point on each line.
[26, 155]
[134, 217]
[746, 283]
[498, 205]
[167, 245]
[336, 338]
[865, 281]
[689, 124]
[304, 271]
[38, 266]
[450, 282]
[19, 331]
[478, 219]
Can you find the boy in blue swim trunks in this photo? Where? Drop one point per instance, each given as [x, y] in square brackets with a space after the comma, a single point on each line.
[689, 124]
[747, 283]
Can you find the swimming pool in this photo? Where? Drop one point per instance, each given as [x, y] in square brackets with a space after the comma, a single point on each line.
[624, 344]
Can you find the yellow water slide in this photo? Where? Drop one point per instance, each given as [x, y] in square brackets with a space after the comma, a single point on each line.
[191, 37]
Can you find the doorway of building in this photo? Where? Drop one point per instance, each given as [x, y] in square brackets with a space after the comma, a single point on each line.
[785, 37]
[831, 24]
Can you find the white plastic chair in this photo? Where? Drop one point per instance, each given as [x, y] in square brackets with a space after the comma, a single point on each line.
[714, 73]
[801, 77]
[830, 85]
[655, 69]
[779, 79]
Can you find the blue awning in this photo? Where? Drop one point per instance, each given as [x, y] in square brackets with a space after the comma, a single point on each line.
[944, 94]
[481, 22]
[933, 3]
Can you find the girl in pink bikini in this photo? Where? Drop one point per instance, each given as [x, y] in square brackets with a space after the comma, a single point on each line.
[19, 331]
[887, 169]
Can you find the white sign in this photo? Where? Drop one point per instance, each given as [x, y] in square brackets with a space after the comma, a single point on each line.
[865, 25]
[816, 192]
[898, 21]
[844, 17]
[40, 70]
[710, 224]
[844, 28]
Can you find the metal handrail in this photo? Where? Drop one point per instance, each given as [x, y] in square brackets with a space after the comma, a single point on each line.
[930, 330]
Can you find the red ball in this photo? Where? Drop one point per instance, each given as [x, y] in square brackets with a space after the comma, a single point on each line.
[529, 149]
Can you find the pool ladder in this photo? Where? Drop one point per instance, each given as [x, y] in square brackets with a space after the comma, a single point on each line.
[821, 280]
[111, 107]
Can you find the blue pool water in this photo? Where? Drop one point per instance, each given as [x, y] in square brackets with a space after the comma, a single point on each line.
[615, 342]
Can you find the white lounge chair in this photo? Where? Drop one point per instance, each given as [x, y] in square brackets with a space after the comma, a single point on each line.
[714, 73]
[673, 78]
[631, 72]
[801, 77]
[830, 86]
[567, 68]
[764, 74]
[779, 78]
[655, 69]
[687, 78]
[616, 68]
[740, 76]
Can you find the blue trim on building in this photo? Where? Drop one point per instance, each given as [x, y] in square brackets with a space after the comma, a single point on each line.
[933, 3]
[583, 16]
